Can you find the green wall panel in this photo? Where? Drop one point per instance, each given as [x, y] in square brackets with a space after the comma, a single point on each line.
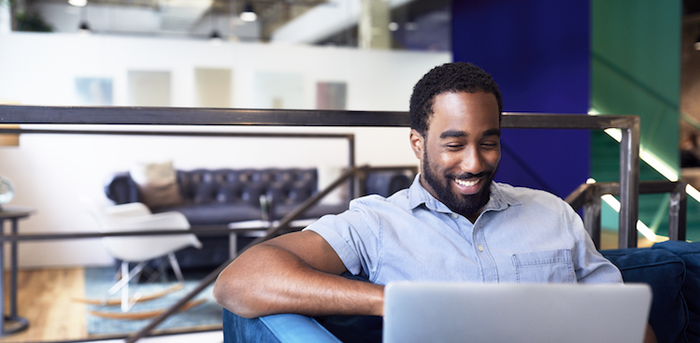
[635, 69]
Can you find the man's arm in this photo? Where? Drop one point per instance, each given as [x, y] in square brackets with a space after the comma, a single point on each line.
[295, 273]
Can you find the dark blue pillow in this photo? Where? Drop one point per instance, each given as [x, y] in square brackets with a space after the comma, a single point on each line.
[690, 253]
[664, 272]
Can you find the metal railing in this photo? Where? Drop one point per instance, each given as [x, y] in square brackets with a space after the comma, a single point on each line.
[588, 196]
[629, 150]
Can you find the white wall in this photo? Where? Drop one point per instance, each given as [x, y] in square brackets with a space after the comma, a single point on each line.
[51, 171]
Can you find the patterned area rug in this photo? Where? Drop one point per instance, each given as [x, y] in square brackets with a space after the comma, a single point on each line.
[206, 316]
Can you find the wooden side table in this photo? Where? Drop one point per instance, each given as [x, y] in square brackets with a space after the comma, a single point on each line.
[12, 323]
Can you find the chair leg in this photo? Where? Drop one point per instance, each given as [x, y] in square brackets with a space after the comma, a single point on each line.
[162, 271]
[176, 267]
[123, 284]
[130, 275]
[125, 288]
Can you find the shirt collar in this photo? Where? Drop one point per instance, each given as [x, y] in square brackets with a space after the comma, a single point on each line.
[499, 199]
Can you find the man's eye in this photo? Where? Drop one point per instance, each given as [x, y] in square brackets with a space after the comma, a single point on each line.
[454, 146]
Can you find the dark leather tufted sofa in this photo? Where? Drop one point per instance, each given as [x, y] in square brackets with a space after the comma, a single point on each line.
[217, 197]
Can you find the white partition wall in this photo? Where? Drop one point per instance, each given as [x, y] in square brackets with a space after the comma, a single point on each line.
[51, 171]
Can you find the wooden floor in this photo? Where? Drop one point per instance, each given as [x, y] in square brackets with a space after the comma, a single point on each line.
[609, 240]
[44, 298]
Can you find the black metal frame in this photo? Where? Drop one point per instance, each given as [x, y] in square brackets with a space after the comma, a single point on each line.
[629, 150]
[589, 195]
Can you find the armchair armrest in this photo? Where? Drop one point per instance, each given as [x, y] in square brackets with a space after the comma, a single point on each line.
[283, 328]
[295, 328]
[159, 221]
[129, 209]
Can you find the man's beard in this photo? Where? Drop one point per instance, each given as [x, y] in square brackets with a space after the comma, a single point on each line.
[464, 204]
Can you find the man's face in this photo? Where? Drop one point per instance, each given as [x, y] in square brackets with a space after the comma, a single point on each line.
[460, 151]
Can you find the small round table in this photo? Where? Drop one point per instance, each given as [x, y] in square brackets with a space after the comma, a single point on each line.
[12, 323]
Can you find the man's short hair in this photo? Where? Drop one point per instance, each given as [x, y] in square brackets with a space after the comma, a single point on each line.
[449, 77]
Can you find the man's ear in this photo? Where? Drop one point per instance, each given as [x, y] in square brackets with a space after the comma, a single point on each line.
[417, 143]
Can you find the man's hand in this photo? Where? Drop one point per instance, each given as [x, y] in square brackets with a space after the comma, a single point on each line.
[295, 273]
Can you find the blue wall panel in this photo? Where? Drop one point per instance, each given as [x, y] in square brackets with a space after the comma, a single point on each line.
[538, 52]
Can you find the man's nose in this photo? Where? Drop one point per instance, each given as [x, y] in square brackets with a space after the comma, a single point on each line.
[472, 161]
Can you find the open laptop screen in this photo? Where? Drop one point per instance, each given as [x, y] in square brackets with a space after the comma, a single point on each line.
[474, 312]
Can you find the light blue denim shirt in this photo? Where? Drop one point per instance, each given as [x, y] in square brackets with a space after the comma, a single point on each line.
[522, 235]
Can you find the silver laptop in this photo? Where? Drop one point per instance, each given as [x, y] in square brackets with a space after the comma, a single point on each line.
[471, 312]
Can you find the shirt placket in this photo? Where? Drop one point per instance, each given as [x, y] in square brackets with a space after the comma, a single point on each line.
[475, 236]
[486, 262]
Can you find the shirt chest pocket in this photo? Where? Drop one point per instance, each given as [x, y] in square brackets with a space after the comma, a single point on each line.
[544, 266]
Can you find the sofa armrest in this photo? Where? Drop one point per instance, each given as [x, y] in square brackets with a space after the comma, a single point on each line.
[283, 328]
[122, 189]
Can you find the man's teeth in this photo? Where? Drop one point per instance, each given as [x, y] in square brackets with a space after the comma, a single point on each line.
[466, 183]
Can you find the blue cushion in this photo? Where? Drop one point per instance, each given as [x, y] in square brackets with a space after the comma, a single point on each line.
[664, 272]
[690, 253]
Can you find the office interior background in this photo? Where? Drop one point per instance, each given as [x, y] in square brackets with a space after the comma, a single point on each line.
[582, 56]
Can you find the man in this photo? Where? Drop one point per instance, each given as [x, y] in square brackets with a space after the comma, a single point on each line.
[453, 224]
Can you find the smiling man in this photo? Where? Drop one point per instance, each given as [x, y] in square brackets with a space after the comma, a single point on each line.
[452, 224]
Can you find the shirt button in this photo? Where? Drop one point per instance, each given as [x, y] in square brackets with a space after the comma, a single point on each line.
[481, 249]
[455, 215]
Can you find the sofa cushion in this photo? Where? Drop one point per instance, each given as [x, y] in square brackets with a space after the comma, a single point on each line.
[690, 253]
[216, 214]
[664, 272]
[157, 184]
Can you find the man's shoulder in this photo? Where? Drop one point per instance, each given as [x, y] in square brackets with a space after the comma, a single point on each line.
[525, 194]
[397, 197]
[377, 202]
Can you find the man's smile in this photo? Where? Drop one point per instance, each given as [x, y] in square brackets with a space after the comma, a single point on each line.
[467, 183]
[468, 186]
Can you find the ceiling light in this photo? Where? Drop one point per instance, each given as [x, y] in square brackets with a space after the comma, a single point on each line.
[248, 15]
[393, 26]
[696, 45]
[78, 3]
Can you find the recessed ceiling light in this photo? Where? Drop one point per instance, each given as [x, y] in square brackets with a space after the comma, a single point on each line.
[78, 3]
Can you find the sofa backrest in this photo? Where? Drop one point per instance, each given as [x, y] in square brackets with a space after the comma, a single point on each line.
[282, 186]
[245, 186]
[286, 186]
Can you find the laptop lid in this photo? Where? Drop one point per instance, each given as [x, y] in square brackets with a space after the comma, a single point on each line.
[474, 312]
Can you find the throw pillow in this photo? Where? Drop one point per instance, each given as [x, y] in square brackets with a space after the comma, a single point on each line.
[157, 183]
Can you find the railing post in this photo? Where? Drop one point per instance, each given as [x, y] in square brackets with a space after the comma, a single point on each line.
[629, 185]
[677, 213]
[591, 214]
